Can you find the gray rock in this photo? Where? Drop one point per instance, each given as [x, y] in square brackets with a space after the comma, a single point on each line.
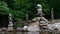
[34, 27]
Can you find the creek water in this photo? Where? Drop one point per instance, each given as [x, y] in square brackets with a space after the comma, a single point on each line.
[46, 32]
[19, 32]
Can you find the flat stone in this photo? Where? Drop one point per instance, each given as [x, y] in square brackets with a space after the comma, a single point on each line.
[19, 29]
[4, 28]
[10, 29]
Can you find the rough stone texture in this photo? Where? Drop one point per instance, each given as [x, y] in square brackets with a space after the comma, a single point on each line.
[42, 19]
[34, 27]
[38, 20]
[54, 26]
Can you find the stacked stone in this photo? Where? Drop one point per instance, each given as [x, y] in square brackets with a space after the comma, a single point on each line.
[39, 9]
[10, 25]
[36, 24]
[42, 21]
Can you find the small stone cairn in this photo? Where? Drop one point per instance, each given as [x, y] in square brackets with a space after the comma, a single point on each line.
[10, 25]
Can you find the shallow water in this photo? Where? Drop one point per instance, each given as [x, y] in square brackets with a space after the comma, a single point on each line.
[28, 32]
[19, 32]
[22, 33]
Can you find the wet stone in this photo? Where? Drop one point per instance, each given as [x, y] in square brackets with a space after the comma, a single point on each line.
[32, 32]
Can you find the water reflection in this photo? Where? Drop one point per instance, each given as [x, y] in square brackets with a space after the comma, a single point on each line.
[29, 32]
[20, 33]
[8, 32]
[32, 32]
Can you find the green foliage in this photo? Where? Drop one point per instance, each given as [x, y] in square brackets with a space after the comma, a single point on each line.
[56, 6]
[19, 4]
[18, 25]
[19, 8]
[46, 8]
[3, 8]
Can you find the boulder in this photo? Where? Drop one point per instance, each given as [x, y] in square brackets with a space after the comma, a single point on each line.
[34, 27]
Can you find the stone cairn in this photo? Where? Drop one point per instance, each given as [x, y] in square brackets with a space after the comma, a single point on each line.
[42, 21]
[52, 16]
[38, 21]
[10, 25]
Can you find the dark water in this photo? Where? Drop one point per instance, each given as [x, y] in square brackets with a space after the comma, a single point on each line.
[20, 33]
[23, 33]
[27, 32]
[46, 32]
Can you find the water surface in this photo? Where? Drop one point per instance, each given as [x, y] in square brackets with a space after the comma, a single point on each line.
[46, 32]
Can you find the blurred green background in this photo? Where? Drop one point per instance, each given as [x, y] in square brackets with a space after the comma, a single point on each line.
[19, 8]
